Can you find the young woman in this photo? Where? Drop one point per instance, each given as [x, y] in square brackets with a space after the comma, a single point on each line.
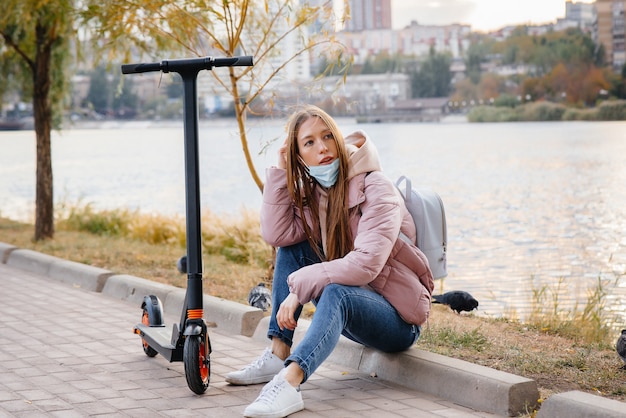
[336, 220]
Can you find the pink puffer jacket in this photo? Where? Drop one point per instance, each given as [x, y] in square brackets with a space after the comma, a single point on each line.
[380, 260]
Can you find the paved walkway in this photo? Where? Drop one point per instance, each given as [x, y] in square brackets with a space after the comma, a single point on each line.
[69, 352]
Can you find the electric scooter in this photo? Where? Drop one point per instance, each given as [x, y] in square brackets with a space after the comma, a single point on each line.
[189, 340]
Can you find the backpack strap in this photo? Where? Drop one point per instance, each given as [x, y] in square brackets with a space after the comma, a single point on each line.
[407, 198]
[407, 187]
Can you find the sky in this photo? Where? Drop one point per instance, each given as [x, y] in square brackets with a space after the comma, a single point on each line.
[482, 15]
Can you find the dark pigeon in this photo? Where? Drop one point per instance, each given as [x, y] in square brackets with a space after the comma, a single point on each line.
[620, 346]
[181, 264]
[457, 300]
[260, 297]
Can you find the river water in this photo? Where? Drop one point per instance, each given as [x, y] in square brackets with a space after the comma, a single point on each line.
[528, 205]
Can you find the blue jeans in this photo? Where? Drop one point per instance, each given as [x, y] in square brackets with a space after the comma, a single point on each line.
[359, 314]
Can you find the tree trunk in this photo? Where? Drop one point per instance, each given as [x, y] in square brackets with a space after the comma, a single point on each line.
[44, 209]
[240, 110]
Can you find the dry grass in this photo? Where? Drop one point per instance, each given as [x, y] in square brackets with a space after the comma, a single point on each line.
[124, 255]
[558, 364]
[149, 247]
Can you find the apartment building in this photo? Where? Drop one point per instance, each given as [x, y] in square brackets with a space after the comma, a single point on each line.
[369, 15]
[610, 29]
[581, 13]
[412, 40]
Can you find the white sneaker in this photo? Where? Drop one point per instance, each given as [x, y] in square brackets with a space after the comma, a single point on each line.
[277, 399]
[261, 370]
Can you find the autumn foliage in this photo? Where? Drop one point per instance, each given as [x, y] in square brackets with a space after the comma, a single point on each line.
[562, 67]
[570, 84]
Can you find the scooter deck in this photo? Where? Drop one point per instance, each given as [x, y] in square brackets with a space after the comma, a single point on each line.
[159, 338]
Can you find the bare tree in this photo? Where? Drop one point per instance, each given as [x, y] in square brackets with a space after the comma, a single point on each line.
[277, 33]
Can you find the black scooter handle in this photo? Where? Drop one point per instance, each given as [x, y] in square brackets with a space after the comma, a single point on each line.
[188, 64]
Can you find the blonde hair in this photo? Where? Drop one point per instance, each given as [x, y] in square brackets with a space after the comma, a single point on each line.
[301, 187]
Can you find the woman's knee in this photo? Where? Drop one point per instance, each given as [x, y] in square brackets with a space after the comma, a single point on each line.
[296, 256]
[335, 293]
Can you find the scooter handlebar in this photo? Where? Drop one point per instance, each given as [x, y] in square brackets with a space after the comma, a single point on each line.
[204, 63]
[141, 68]
[245, 61]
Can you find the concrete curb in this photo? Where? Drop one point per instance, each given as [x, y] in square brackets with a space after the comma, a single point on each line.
[5, 250]
[70, 272]
[461, 382]
[227, 315]
[581, 404]
[467, 384]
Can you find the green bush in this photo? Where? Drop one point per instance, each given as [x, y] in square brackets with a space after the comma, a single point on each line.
[106, 222]
[612, 110]
[506, 100]
[573, 113]
[492, 114]
[548, 111]
[542, 111]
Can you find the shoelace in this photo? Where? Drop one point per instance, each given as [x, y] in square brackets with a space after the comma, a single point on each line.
[259, 361]
[268, 396]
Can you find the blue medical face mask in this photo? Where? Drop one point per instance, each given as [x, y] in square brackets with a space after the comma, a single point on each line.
[326, 175]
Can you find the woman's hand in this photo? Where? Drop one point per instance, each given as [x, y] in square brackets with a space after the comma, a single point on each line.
[287, 312]
[282, 156]
[355, 138]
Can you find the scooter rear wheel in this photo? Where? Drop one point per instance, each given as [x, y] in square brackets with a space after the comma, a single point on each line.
[150, 352]
[197, 363]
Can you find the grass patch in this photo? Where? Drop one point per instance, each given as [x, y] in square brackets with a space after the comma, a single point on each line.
[237, 239]
[590, 324]
[609, 110]
[457, 339]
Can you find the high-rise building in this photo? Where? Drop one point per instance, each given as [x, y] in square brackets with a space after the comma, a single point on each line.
[581, 13]
[610, 25]
[578, 11]
[369, 15]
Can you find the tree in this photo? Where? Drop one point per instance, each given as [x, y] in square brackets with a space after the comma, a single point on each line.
[557, 82]
[36, 36]
[383, 63]
[434, 77]
[125, 101]
[98, 97]
[275, 32]
[490, 86]
[618, 83]
[533, 87]
[473, 61]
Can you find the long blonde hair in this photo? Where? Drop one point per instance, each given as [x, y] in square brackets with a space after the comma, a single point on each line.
[301, 187]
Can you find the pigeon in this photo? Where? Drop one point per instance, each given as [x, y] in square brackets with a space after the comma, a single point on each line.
[620, 346]
[457, 300]
[260, 297]
[181, 264]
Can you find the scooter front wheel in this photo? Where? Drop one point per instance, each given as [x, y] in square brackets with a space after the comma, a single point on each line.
[197, 363]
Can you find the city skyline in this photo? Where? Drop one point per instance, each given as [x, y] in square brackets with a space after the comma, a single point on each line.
[482, 15]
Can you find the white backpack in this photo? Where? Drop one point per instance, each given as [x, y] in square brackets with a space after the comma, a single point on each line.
[426, 208]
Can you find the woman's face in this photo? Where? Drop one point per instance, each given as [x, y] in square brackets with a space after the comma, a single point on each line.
[316, 142]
